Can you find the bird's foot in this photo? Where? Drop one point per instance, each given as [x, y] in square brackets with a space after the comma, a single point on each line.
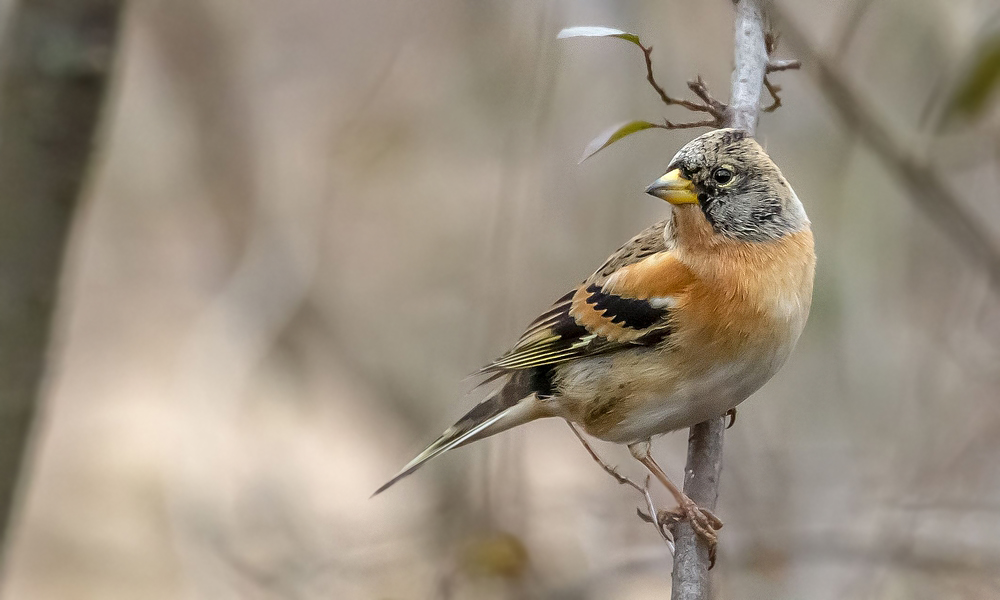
[703, 521]
[731, 413]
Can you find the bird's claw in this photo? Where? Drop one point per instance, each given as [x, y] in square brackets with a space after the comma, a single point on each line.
[703, 521]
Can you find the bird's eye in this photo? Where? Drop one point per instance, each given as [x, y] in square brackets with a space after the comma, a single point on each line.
[722, 175]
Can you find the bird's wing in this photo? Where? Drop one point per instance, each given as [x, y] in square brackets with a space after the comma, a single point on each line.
[626, 302]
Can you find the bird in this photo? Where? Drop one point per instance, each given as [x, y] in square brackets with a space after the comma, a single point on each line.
[680, 325]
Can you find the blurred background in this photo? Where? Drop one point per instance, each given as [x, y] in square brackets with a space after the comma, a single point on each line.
[308, 221]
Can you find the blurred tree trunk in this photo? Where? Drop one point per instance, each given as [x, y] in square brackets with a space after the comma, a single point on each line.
[57, 57]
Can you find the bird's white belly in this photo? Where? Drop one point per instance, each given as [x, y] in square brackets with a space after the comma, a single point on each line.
[698, 399]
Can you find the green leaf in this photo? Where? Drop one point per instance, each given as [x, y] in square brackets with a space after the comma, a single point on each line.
[572, 32]
[613, 134]
[976, 86]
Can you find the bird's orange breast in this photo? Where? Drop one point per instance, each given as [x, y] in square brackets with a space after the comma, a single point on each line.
[745, 295]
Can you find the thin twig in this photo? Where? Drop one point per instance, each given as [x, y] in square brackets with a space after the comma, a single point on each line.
[689, 125]
[723, 115]
[714, 107]
[642, 489]
[773, 90]
[667, 99]
[711, 105]
[775, 65]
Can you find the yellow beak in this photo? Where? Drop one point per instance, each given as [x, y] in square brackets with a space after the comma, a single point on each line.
[673, 188]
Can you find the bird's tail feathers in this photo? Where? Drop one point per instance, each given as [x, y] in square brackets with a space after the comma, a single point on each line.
[512, 405]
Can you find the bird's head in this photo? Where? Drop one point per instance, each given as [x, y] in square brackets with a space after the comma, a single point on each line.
[733, 181]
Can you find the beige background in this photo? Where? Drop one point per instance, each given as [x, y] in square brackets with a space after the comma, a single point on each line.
[312, 219]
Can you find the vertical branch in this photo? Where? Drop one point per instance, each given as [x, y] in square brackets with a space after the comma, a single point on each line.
[704, 457]
[750, 51]
[57, 61]
[701, 484]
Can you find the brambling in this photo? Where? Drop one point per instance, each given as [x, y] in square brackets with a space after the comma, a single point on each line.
[681, 324]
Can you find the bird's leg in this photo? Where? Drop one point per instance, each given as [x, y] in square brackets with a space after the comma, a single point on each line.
[702, 520]
[643, 489]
